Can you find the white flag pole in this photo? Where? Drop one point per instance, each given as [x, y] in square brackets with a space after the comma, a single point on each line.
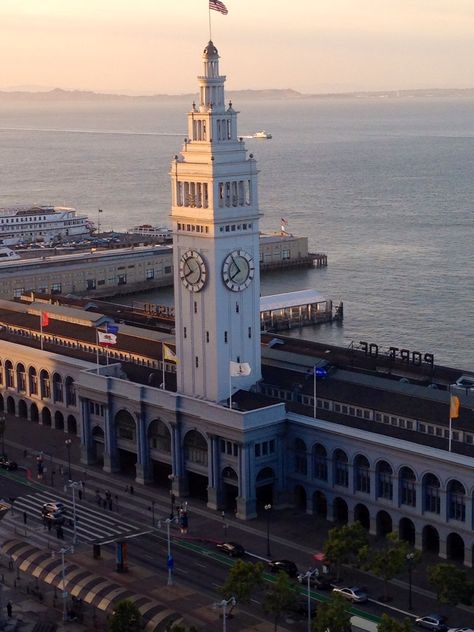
[163, 363]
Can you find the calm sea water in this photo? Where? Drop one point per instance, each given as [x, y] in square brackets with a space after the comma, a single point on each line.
[385, 187]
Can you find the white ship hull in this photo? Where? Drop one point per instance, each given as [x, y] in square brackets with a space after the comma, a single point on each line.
[41, 224]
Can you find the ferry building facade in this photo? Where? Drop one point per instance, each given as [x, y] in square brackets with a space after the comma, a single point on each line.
[363, 447]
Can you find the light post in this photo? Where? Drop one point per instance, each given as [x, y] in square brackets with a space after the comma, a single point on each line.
[171, 478]
[223, 604]
[68, 443]
[268, 509]
[62, 552]
[410, 557]
[308, 576]
[170, 561]
[74, 485]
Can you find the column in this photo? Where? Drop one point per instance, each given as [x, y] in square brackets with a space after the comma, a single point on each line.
[111, 460]
[246, 500]
[213, 474]
[180, 482]
[88, 453]
[143, 474]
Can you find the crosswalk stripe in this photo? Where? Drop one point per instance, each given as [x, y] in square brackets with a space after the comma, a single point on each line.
[91, 524]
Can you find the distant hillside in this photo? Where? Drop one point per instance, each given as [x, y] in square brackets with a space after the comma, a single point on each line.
[83, 95]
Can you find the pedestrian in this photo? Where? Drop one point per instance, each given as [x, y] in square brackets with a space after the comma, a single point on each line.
[49, 524]
[98, 499]
[132, 490]
[80, 494]
[61, 470]
[110, 503]
[25, 517]
[126, 489]
[116, 502]
[9, 609]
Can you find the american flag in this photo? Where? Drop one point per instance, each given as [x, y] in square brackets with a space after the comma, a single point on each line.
[217, 5]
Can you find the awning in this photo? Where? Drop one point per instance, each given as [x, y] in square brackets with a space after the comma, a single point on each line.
[290, 299]
[81, 583]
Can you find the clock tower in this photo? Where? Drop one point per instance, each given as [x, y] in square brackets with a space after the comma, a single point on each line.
[215, 217]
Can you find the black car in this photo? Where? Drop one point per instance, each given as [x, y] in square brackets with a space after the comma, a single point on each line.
[233, 549]
[7, 464]
[286, 566]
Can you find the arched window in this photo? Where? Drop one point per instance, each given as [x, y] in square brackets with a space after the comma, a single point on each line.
[45, 384]
[70, 391]
[456, 501]
[195, 448]
[384, 480]
[9, 375]
[407, 480]
[57, 388]
[431, 493]
[21, 378]
[341, 468]
[125, 425]
[301, 466]
[362, 474]
[159, 436]
[33, 381]
[320, 463]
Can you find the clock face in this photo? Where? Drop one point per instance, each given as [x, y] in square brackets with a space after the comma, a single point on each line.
[238, 270]
[192, 271]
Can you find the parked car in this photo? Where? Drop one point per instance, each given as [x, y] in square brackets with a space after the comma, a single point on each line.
[283, 565]
[7, 464]
[233, 549]
[435, 622]
[53, 508]
[354, 594]
[321, 582]
[460, 630]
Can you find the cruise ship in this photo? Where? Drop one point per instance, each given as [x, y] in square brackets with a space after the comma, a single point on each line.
[44, 224]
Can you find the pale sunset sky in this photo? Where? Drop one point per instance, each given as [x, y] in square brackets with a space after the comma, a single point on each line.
[154, 46]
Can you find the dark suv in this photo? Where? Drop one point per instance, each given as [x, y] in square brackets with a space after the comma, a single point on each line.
[286, 566]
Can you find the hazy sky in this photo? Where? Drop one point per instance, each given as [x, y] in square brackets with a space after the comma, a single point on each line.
[148, 46]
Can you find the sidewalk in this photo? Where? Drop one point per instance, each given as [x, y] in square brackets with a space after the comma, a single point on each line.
[293, 534]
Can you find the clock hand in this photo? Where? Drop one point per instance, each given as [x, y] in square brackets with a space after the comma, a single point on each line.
[232, 276]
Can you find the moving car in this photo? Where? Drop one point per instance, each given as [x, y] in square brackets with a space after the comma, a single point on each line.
[56, 518]
[354, 594]
[435, 622]
[321, 582]
[7, 464]
[53, 508]
[233, 549]
[286, 566]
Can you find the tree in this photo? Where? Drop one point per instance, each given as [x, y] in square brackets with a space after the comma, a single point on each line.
[333, 615]
[182, 628]
[451, 584]
[279, 597]
[126, 618]
[242, 580]
[387, 624]
[389, 560]
[344, 545]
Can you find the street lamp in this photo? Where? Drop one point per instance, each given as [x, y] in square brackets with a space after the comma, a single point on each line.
[223, 604]
[68, 443]
[171, 478]
[308, 576]
[62, 552]
[410, 558]
[268, 509]
[74, 485]
[170, 561]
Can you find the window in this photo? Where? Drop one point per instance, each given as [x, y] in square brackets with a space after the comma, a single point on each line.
[257, 449]
[384, 481]
[362, 475]
[432, 501]
[341, 473]
[456, 501]
[225, 337]
[300, 457]
[320, 466]
[407, 487]
[207, 336]
[167, 269]
[149, 274]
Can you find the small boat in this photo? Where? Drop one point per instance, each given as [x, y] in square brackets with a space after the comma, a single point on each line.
[262, 134]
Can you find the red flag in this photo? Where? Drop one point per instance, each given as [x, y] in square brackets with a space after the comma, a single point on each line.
[44, 319]
[217, 5]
